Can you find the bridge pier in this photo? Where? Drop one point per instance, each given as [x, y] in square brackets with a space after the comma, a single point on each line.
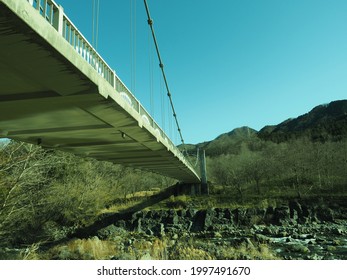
[196, 189]
[190, 189]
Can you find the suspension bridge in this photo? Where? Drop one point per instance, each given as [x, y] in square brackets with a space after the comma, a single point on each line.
[58, 92]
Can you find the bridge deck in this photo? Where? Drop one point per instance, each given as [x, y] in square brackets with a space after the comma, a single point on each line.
[50, 94]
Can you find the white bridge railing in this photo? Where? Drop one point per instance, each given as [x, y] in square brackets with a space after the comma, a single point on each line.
[54, 14]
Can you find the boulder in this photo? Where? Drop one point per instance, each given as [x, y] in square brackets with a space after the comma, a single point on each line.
[210, 219]
[296, 212]
[298, 248]
[325, 214]
[281, 215]
[110, 231]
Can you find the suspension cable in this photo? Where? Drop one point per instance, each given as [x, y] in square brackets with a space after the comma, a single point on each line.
[163, 121]
[161, 65]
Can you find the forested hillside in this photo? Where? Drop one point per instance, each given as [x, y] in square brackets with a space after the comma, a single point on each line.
[301, 156]
[291, 169]
[326, 122]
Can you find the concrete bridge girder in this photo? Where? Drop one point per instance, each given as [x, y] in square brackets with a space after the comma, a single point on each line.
[49, 92]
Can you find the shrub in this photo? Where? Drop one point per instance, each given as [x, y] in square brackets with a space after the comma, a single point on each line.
[177, 202]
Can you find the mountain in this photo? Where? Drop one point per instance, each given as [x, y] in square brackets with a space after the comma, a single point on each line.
[227, 143]
[322, 123]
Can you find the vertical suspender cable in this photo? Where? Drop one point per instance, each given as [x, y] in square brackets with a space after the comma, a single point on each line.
[151, 82]
[133, 45]
[95, 22]
[135, 35]
[131, 48]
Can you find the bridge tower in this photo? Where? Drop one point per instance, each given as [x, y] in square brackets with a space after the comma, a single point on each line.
[202, 160]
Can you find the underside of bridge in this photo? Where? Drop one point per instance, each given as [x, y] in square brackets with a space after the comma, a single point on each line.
[49, 95]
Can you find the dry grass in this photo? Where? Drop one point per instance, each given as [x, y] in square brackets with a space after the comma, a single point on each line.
[31, 253]
[189, 253]
[119, 207]
[143, 193]
[96, 249]
[84, 249]
[177, 202]
[156, 249]
[159, 249]
[206, 250]
[246, 252]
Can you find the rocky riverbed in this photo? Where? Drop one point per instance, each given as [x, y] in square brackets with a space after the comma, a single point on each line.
[296, 230]
[292, 231]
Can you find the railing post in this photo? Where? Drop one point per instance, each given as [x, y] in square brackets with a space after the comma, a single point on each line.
[51, 16]
[60, 20]
[114, 79]
[44, 9]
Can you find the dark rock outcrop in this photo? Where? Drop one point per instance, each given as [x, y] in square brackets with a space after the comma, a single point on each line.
[220, 219]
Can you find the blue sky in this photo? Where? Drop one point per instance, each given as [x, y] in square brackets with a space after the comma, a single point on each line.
[229, 63]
